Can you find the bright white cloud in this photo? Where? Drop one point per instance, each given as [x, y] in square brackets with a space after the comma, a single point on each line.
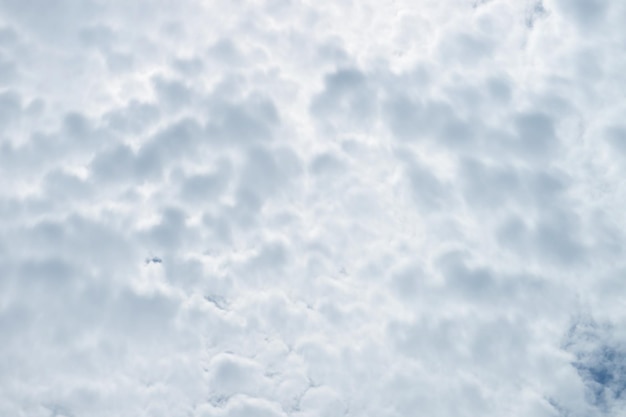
[292, 208]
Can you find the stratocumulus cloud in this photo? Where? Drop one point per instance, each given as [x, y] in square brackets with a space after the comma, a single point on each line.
[312, 209]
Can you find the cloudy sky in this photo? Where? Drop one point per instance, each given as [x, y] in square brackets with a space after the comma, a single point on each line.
[240, 208]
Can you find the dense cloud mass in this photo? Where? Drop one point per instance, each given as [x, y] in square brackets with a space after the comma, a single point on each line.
[312, 209]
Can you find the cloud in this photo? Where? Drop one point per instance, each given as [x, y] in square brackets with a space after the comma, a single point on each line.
[288, 209]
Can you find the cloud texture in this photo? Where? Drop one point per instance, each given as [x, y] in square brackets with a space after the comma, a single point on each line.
[312, 209]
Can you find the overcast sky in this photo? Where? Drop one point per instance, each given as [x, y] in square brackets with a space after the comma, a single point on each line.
[241, 208]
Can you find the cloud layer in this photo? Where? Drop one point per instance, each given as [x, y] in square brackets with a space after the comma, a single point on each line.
[296, 208]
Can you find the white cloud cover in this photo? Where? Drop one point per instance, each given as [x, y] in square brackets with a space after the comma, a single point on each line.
[312, 209]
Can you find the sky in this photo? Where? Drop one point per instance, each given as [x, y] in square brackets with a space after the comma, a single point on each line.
[299, 208]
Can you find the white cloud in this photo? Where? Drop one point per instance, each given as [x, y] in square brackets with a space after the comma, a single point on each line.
[291, 208]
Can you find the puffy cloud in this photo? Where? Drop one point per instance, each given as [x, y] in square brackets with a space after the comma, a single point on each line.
[287, 208]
